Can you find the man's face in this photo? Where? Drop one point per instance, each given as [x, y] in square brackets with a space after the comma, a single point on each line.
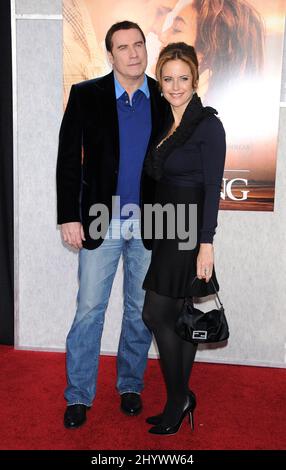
[129, 55]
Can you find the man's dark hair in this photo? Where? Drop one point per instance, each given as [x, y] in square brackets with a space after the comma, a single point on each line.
[117, 27]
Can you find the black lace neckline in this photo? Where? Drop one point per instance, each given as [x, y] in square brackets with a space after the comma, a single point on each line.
[194, 113]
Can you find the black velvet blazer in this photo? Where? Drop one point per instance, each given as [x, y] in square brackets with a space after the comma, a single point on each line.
[88, 155]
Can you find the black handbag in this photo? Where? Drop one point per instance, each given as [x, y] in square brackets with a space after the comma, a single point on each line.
[202, 327]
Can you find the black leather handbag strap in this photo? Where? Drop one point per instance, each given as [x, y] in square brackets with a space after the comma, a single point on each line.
[213, 284]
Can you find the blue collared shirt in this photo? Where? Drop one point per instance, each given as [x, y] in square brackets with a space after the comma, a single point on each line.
[119, 90]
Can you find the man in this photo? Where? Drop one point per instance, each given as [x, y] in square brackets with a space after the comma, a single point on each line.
[104, 137]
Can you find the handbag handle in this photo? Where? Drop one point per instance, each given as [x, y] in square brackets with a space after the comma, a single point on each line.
[216, 292]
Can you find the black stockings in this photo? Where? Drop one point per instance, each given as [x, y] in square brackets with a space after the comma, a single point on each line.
[176, 355]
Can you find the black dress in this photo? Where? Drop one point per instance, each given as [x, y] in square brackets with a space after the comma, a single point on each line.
[188, 167]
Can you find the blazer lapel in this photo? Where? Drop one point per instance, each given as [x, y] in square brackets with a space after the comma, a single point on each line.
[110, 111]
[156, 106]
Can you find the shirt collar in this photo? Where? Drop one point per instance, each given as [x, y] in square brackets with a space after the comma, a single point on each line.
[119, 90]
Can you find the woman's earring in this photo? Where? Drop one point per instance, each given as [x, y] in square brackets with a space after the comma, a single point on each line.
[162, 94]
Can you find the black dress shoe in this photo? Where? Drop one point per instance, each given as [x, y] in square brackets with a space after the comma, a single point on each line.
[131, 403]
[75, 416]
[168, 429]
[157, 419]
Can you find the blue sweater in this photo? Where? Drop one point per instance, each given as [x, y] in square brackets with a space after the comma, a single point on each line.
[134, 118]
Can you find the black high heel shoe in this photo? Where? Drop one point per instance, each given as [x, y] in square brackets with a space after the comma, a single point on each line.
[157, 419]
[166, 429]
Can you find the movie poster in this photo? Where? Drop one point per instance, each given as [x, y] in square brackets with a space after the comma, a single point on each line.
[240, 47]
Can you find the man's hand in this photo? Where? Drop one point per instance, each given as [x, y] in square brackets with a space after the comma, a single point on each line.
[73, 234]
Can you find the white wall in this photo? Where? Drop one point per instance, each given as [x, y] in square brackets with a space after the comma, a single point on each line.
[250, 246]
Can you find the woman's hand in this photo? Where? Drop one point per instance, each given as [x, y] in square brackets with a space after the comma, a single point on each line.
[205, 261]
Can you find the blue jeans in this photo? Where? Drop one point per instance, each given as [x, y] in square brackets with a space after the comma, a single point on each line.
[97, 269]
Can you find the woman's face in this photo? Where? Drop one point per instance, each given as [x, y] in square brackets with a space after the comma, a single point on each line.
[183, 27]
[177, 83]
[160, 10]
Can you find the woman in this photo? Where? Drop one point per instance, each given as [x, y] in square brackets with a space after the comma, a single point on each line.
[187, 164]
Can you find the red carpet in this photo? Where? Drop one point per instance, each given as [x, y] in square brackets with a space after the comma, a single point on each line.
[239, 407]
